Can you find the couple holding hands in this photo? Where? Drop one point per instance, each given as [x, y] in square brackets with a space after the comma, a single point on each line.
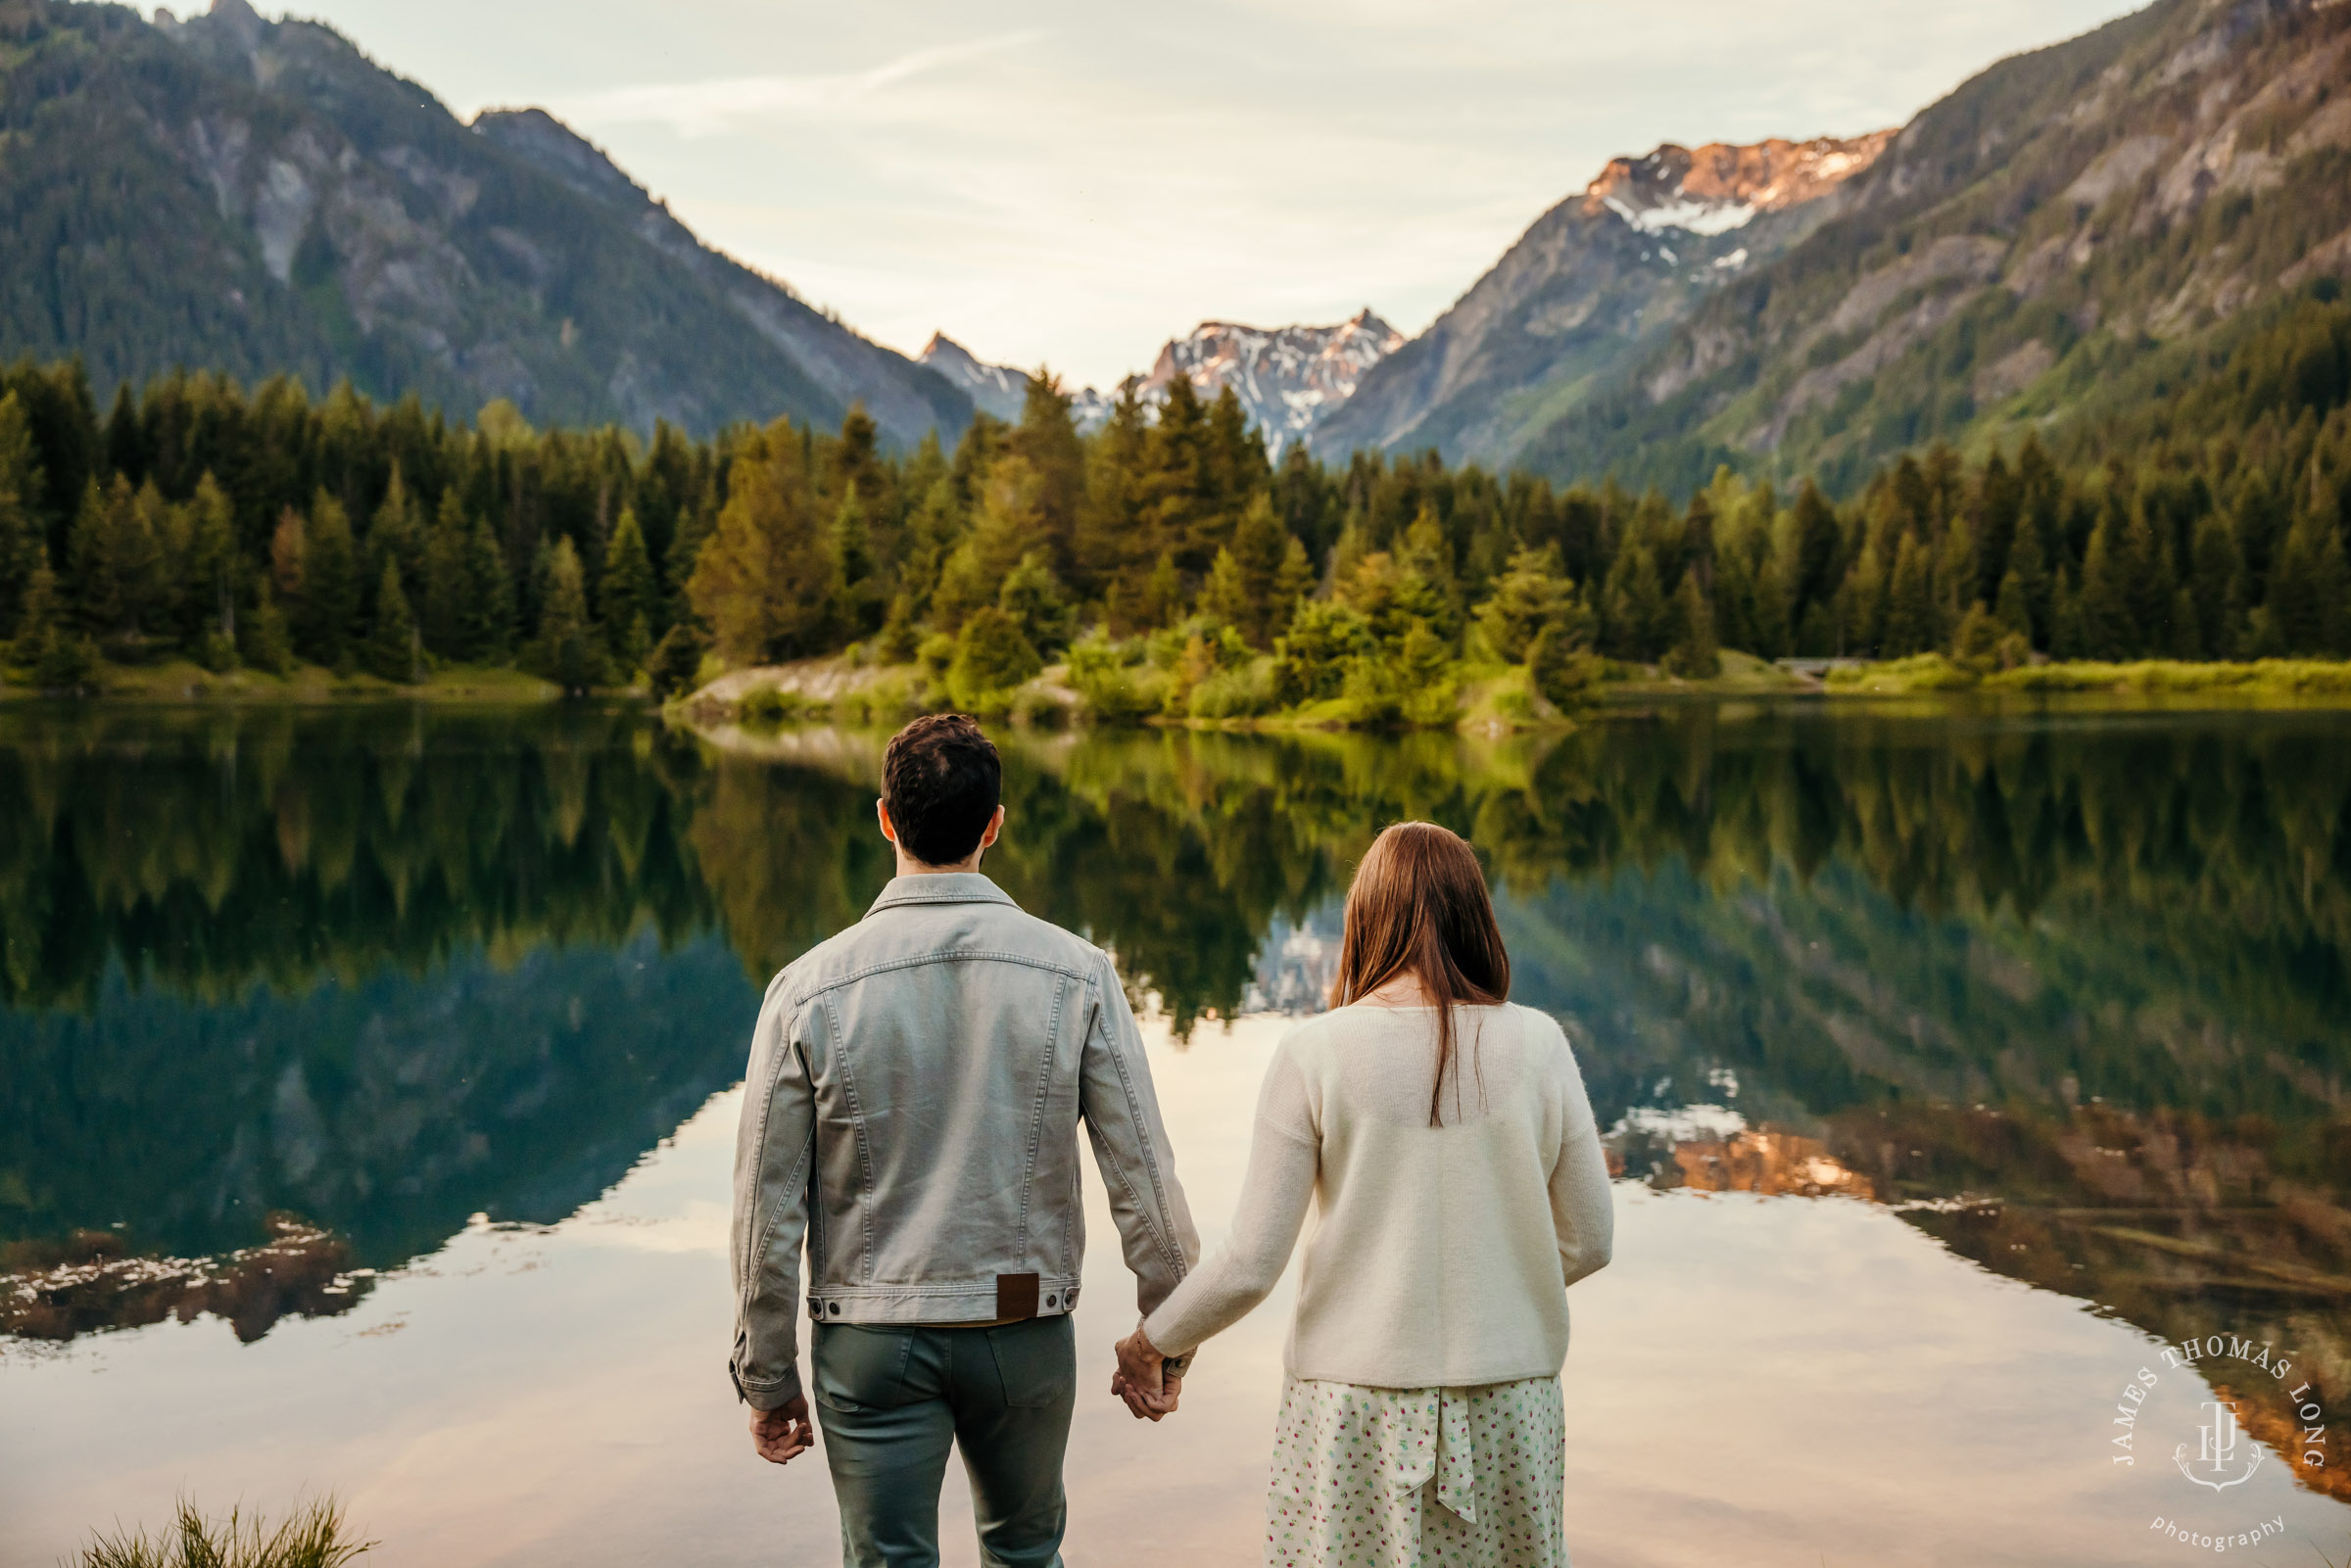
[910, 1121]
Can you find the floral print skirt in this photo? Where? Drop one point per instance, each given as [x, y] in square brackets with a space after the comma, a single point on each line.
[1398, 1478]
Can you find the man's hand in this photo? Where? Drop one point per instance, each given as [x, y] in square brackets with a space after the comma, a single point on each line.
[1142, 1379]
[783, 1434]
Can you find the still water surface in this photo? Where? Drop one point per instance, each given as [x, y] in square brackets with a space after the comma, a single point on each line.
[367, 1089]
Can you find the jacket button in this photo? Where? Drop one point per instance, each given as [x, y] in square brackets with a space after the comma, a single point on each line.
[1048, 1301]
[833, 1308]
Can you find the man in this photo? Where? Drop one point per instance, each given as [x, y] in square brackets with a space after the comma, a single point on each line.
[911, 1109]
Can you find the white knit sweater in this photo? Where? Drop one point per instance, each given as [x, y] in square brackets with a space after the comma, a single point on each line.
[1440, 1256]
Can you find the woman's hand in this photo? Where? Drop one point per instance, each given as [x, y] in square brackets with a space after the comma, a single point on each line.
[1141, 1379]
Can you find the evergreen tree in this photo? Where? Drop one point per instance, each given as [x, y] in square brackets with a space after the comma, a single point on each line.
[329, 605]
[2215, 587]
[1559, 666]
[54, 655]
[2107, 629]
[22, 550]
[1036, 604]
[568, 649]
[486, 605]
[1531, 595]
[1252, 584]
[763, 580]
[267, 645]
[1909, 600]
[2308, 589]
[213, 572]
[991, 658]
[394, 651]
[629, 597]
[1695, 654]
[1634, 625]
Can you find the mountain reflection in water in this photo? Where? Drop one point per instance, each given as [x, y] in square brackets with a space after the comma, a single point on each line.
[293, 998]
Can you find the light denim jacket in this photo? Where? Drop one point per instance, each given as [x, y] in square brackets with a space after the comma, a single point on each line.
[911, 1109]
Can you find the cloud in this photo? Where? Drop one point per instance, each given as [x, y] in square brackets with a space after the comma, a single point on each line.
[712, 107]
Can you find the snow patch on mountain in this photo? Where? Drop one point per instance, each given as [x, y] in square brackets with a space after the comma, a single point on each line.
[1713, 189]
[1288, 379]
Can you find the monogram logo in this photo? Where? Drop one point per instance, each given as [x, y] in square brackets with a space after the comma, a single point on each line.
[2220, 1443]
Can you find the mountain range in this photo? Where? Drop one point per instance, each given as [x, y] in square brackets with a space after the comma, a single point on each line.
[256, 197]
[2071, 229]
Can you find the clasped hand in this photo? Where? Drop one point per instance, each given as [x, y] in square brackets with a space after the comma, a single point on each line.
[1142, 1379]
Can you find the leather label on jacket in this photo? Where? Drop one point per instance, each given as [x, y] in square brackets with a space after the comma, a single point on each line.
[1015, 1296]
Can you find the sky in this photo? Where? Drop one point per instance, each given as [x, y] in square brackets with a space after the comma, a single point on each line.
[1072, 185]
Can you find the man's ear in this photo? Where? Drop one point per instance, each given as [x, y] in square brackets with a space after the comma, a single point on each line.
[996, 826]
[890, 829]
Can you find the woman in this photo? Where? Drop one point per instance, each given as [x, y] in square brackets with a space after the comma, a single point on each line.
[1460, 1188]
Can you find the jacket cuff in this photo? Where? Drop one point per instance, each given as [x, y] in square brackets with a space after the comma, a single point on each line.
[769, 1395]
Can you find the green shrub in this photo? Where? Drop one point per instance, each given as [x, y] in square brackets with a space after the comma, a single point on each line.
[1240, 693]
[992, 660]
[1114, 688]
[770, 705]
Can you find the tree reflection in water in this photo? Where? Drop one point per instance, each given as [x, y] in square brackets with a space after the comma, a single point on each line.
[2069, 993]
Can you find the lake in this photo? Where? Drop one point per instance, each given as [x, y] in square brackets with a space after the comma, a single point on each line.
[368, 1078]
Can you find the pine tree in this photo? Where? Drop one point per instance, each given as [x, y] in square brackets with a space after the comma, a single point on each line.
[2215, 588]
[485, 606]
[2308, 588]
[54, 655]
[2028, 563]
[266, 643]
[629, 597]
[568, 650]
[1246, 584]
[991, 658]
[2107, 629]
[1528, 596]
[395, 651]
[1634, 623]
[324, 629]
[763, 582]
[1696, 654]
[22, 550]
[1033, 598]
[1909, 600]
[114, 563]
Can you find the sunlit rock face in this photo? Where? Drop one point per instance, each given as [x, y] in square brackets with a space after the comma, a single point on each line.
[1594, 281]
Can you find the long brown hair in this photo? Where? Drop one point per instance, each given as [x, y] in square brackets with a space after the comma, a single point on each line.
[1419, 905]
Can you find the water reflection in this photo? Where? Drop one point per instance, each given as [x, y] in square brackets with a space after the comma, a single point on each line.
[293, 997]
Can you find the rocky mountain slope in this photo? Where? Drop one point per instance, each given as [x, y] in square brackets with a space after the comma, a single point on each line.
[993, 389]
[2069, 232]
[256, 197]
[1594, 281]
[1289, 379]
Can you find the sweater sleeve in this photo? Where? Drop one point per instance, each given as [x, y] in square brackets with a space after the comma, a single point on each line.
[1580, 1208]
[1285, 1154]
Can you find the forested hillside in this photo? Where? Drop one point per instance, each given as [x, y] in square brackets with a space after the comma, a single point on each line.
[1176, 567]
[261, 199]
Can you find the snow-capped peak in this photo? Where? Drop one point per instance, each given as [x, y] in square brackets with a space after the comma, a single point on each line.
[1721, 187]
[1286, 378]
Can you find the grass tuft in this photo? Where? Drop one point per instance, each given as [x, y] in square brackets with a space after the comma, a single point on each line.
[314, 1535]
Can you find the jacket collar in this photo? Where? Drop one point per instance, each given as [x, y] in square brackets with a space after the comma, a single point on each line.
[942, 887]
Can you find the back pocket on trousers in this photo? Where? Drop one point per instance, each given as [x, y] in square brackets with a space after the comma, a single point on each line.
[1038, 1361]
[860, 1368]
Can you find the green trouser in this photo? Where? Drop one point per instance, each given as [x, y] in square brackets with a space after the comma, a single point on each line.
[892, 1401]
